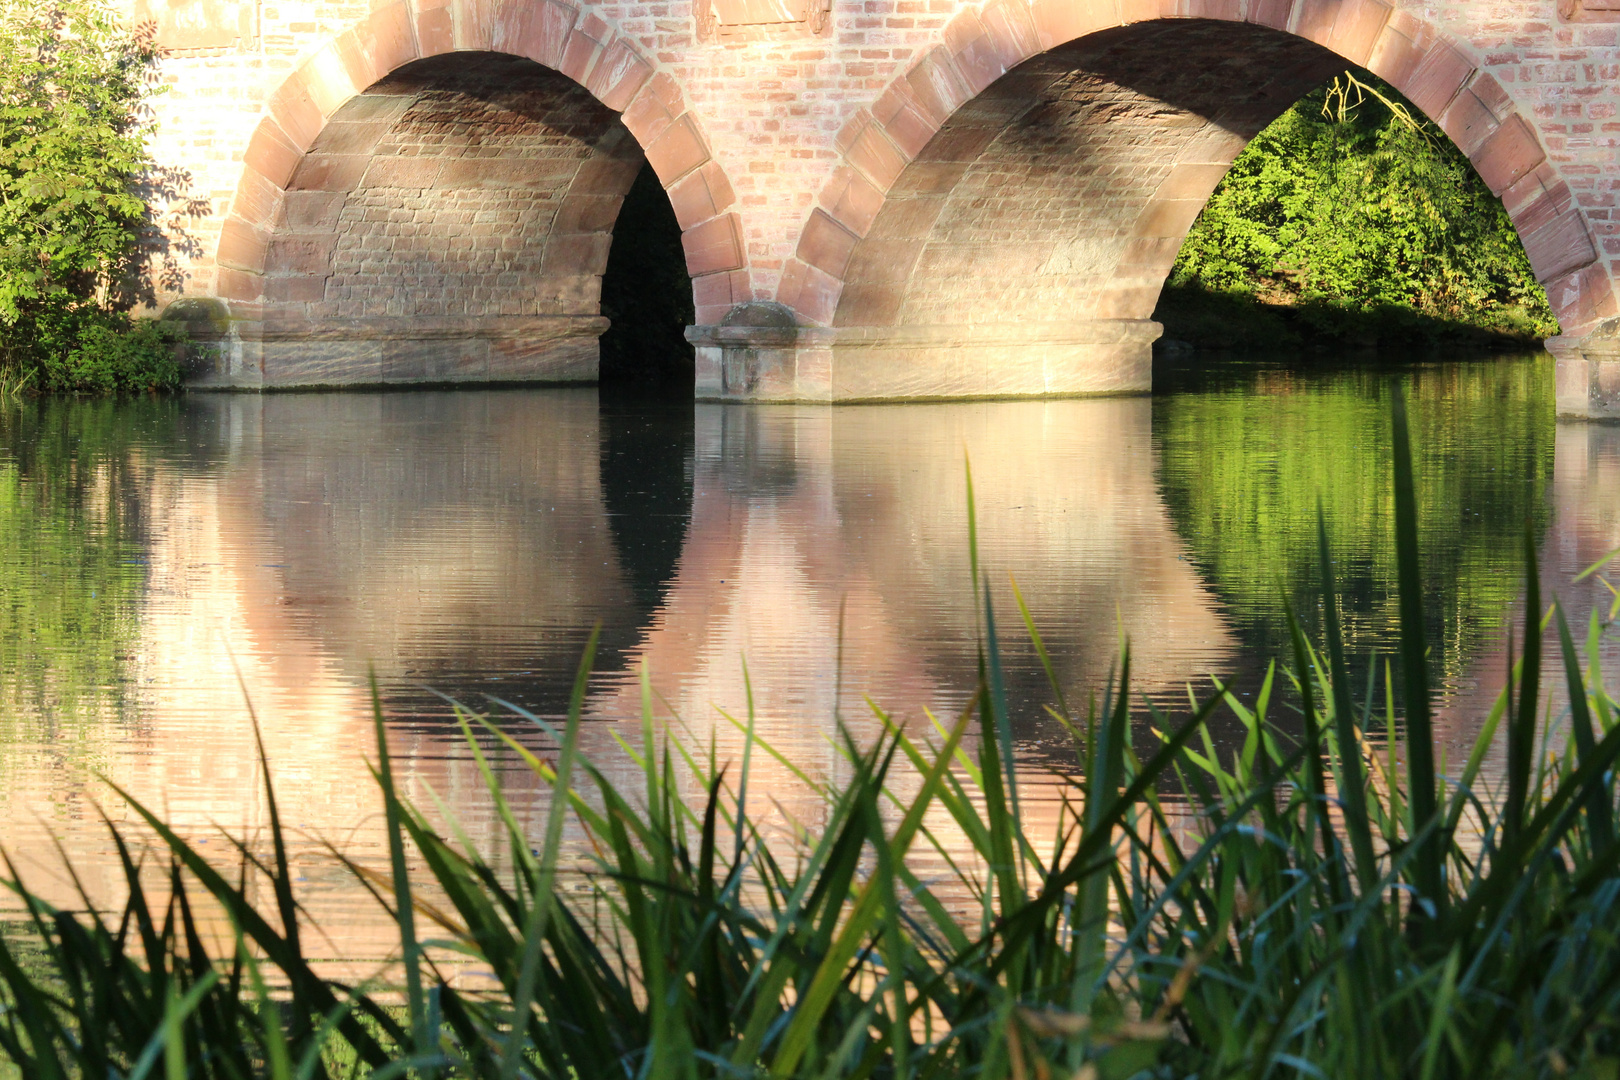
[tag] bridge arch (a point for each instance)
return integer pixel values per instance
(431, 197)
(1112, 121)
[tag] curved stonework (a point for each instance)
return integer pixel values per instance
(431, 198)
(1003, 217)
(782, 150)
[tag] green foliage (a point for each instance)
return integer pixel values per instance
(73, 201)
(1292, 907)
(97, 351)
(1355, 220)
(72, 79)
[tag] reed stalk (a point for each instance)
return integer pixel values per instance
(1292, 906)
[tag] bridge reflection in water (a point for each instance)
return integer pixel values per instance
(468, 542)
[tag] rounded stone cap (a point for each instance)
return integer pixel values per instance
(761, 313)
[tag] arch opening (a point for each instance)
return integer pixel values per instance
(451, 223)
(1019, 241)
(1034, 230)
(647, 298)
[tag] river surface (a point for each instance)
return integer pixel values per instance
(166, 564)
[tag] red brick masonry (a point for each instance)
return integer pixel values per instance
(943, 198)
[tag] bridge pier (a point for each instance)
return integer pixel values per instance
(383, 351)
(1588, 377)
(888, 363)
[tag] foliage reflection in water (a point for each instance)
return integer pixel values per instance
(468, 541)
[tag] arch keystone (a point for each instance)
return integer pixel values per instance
(473, 25)
(538, 31)
(435, 27)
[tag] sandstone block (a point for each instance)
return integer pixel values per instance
(1558, 245)
(435, 30)
(258, 199)
(714, 246)
(825, 244)
(618, 76)
(715, 294)
(652, 110)
(295, 112)
(334, 172)
(1356, 28)
(878, 159)
(678, 151)
(811, 293)
(387, 38)
(700, 195)
(1061, 21)
(272, 153)
(238, 285)
(241, 246)
(1475, 113)
(584, 212)
(1510, 152)
(852, 200)
(473, 24)
(1011, 30)
(1273, 13)
(870, 303)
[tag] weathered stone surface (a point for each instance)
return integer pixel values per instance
(984, 179)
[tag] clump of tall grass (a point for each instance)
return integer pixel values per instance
(1328, 912)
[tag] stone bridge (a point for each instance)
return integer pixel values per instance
(878, 198)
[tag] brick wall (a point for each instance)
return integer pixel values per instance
(760, 136)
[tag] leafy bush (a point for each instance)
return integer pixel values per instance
(72, 213)
(1350, 218)
(108, 352)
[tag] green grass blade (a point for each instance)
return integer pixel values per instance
(1600, 801)
(1353, 780)
(1422, 781)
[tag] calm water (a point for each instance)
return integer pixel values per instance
(164, 563)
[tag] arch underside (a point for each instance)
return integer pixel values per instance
(1024, 248)
(449, 223)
